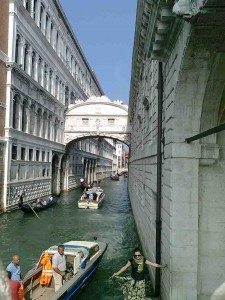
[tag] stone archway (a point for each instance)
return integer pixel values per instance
(211, 180)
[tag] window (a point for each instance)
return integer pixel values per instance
(85, 121)
(14, 152)
(37, 155)
(111, 121)
(17, 49)
(31, 154)
(43, 155)
(23, 153)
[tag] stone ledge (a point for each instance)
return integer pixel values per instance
(207, 153)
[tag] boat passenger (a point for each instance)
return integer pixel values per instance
(59, 267)
(39, 202)
(20, 203)
(90, 195)
(50, 198)
(85, 194)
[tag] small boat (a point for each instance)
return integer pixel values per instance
(98, 196)
(45, 203)
(78, 273)
(115, 177)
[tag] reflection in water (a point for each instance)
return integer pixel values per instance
(113, 223)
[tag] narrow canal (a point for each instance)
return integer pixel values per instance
(113, 223)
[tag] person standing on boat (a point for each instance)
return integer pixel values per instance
(134, 287)
(59, 267)
(14, 274)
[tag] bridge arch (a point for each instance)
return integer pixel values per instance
(97, 117)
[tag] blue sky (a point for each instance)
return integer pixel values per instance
(105, 31)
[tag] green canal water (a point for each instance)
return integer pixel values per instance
(26, 235)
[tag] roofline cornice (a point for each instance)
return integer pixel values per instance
(154, 24)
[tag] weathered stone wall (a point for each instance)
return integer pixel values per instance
(191, 193)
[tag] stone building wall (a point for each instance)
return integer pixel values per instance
(192, 174)
(3, 59)
(47, 71)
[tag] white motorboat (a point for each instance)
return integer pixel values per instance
(79, 272)
(97, 195)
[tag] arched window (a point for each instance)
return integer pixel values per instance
(51, 35)
(49, 127)
(44, 124)
(39, 119)
(41, 15)
(35, 7)
(56, 130)
(26, 4)
(17, 48)
(50, 81)
(33, 65)
(26, 57)
(16, 103)
(57, 42)
(45, 76)
(24, 116)
(57, 87)
(39, 69)
(32, 118)
(46, 26)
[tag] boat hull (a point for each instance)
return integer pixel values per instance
(26, 208)
(91, 204)
(70, 288)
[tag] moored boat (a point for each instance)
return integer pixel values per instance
(92, 202)
(38, 204)
(79, 273)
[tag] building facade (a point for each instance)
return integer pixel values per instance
(91, 159)
(46, 72)
(122, 156)
(178, 75)
(3, 59)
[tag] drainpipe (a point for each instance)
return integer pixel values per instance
(159, 181)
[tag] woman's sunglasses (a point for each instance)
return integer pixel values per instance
(137, 255)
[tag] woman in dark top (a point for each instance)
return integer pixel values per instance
(134, 287)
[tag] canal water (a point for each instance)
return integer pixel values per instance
(26, 235)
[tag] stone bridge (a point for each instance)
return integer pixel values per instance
(97, 117)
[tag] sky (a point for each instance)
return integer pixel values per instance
(105, 31)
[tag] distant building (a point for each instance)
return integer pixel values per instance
(90, 159)
(122, 155)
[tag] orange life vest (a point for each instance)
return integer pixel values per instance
(46, 274)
